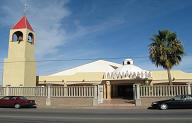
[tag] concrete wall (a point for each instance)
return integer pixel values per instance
(96, 77)
(71, 101)
(64, 101)
(40, 101)
(146, 101)
(93, 77)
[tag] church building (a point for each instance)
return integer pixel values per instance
(118, 79)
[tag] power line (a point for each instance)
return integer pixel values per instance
(84, 59)
(75, 59)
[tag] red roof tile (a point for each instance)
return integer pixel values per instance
(23, 23)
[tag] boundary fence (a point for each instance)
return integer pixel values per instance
(164, 90)
(53, 91)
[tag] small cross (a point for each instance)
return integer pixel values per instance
(25, 7)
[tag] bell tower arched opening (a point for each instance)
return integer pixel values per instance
(31, 38)
(17, 36)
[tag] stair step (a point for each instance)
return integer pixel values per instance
(114, 105)
(117, 102)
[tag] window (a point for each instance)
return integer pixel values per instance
(17, 36)
(30, 38)
(188, 97)
(128, 62)
(177, 98)
(23, 98)
(6, 98)
(13, 98)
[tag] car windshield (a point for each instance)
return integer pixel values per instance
(177, 98)
(24, 98)
(6, 98)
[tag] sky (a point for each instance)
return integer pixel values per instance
(97, 29)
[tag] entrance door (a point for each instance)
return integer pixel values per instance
(125, 91)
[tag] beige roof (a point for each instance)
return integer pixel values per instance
(97, 66)
(177, 75)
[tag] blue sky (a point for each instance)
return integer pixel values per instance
(80, 29)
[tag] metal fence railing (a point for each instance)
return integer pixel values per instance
(73, 91)
(53, 91)
(2, 91)
(164, 90)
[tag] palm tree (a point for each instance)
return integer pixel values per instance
(166, 51)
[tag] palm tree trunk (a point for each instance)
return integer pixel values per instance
(169, 76)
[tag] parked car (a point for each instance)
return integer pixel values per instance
(180, 101)
(16, 102)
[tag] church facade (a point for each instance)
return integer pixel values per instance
(117, 79)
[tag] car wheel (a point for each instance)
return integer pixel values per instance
(17, 106)
(163, 106)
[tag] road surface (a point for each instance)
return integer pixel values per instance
(8, 115)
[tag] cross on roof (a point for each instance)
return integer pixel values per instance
(25, 7)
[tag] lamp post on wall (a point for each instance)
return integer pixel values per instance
(65, 88)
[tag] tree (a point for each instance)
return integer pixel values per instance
(166, 51)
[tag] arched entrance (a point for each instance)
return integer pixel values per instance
(119, 89)
(124, 91)
(119, 83)
(118, 93)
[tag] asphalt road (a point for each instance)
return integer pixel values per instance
(94, 116)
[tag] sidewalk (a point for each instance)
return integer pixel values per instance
(107, 104)
(93, 107)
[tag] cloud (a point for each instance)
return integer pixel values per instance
(45, 17)
(83, 31)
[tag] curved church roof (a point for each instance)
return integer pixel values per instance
(97, 66)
